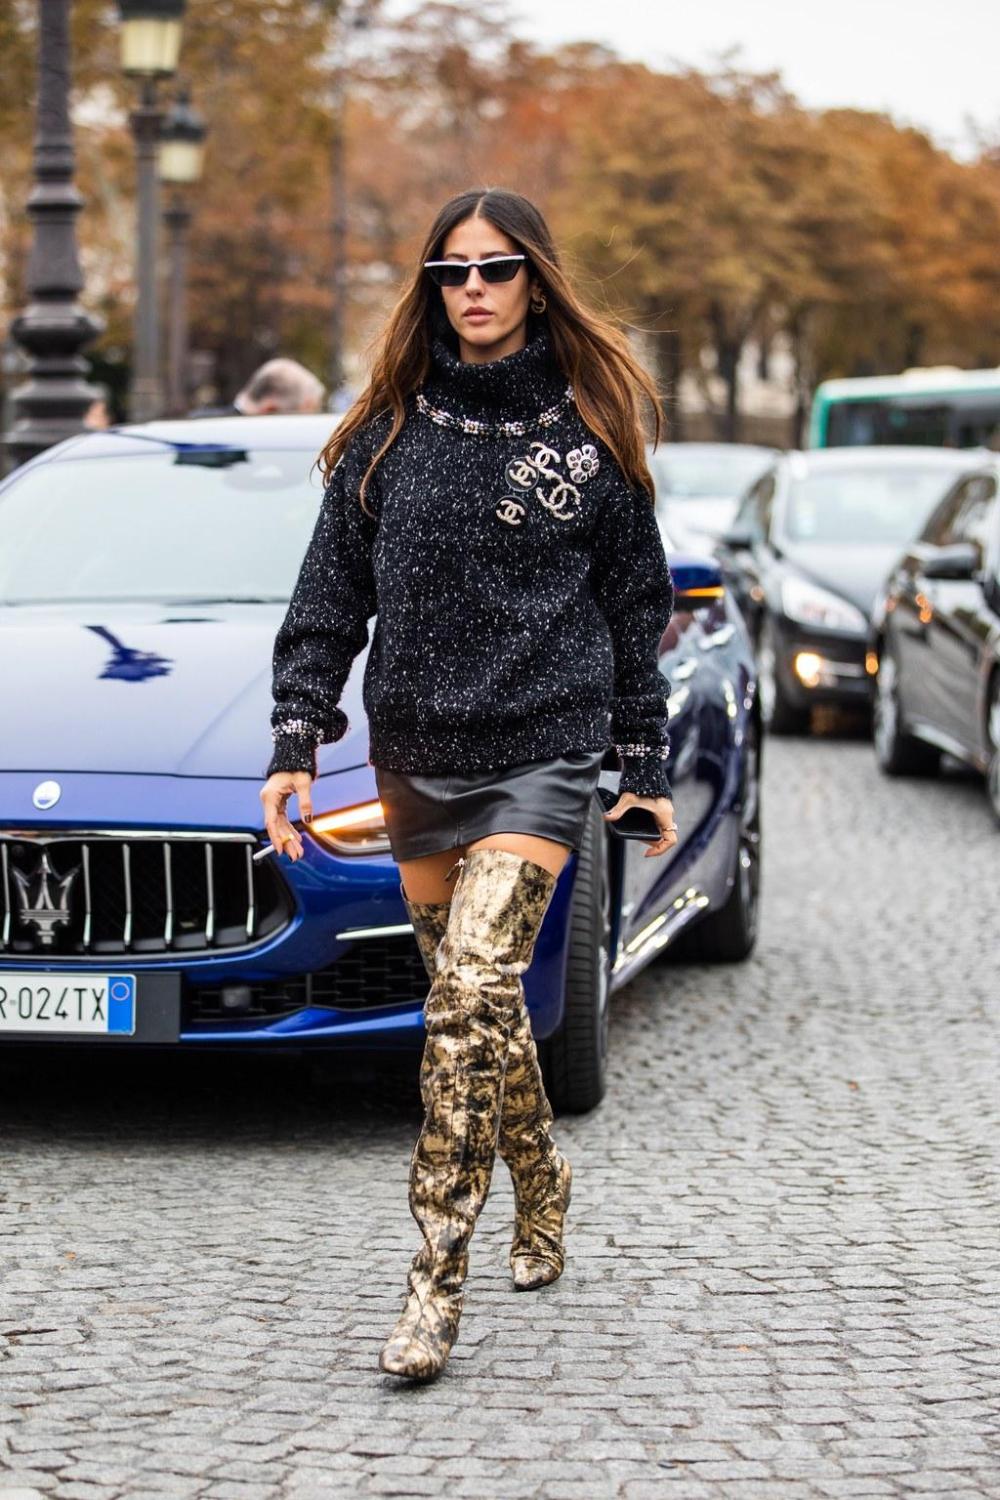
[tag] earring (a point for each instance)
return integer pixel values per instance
(540, 305)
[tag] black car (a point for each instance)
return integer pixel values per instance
(811, 542)
(935, 639)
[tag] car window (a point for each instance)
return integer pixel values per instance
(754, 513)
(187, 525)
(869, 505)
(941, 518)
(683, 472)
(972, 516)
(764, 501)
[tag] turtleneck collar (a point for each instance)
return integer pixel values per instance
(515, 387)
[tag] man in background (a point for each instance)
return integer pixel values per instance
(280, 385)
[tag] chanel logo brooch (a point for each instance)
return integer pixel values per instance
(558, 495)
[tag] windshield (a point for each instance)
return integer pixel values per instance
(863, 506)
(709, 518)
(682, 474)
(151, 527)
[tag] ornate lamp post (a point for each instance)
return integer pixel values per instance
(150, 46)
(53, 328)
(181, 158)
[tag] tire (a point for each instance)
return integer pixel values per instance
(729, 935)
(897, 753)
(575, 1057)
(778, 714)
(993, 739)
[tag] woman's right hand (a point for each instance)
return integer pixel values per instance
(275, 794)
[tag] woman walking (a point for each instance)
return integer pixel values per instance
(489, 501)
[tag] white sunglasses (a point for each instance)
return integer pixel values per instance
(456, 272)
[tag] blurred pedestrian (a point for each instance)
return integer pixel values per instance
(98, 413)
(498, 518)
(279, 386)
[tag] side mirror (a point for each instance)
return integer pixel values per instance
(738, 539)
(959, 561)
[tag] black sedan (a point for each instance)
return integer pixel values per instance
(935, 639)
(810, 544)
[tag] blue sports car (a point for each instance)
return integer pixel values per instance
(144, 572)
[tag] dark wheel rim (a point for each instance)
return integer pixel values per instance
(748, 856)
(886, 712)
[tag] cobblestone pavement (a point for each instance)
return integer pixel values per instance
(784, 1266)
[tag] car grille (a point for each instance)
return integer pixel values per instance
(371, 974)
(76, 894)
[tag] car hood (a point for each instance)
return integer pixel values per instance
(854, 572)
(170, 689)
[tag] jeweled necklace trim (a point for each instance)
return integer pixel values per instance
(486, 429)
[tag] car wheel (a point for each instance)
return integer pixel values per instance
(993, 734)
(575, 1056)
(897, 753)
(730, 934)
(778, 714)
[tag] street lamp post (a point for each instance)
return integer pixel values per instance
(181, 156)
(150, 46)
(53, 328)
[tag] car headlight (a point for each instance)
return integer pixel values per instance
(808, 604)
(352, 830)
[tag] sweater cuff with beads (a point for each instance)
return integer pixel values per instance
(295, 745)
(645, 774)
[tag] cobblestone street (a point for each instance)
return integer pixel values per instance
(784, 1244)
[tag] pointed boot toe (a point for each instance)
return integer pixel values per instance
(421, 1341)
(409, 1356)
(531, 1271)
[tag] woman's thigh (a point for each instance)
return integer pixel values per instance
(424, 880)
(545, 852)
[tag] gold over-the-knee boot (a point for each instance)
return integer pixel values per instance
(541, 1174)
(495, 913)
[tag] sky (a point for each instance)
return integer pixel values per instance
(924, 62)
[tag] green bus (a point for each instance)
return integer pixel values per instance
(941, 407)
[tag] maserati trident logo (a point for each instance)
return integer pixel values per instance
(46, 795)
(43, 899)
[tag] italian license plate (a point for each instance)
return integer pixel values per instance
(62, 1004)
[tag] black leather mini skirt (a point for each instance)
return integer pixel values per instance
(550, 798)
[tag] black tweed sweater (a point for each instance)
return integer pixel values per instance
(520, 589)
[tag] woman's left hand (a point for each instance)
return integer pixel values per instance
(663, 811)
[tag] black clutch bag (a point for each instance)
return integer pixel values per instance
(637, 823)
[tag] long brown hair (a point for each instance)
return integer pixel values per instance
(591, 351)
